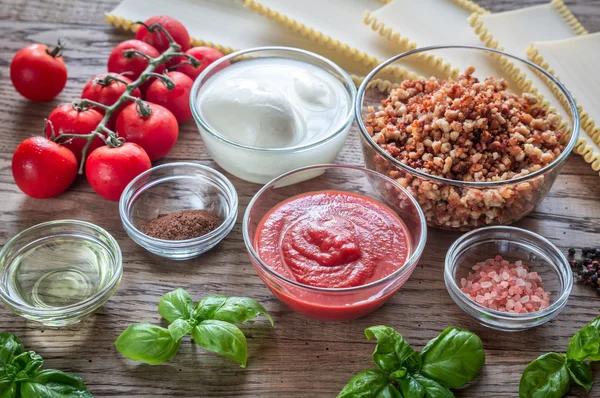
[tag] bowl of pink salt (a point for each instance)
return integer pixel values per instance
(508, 278)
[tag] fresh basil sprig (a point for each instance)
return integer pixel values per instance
(20, 375)
(551, 375)
(211, 324)
(450, 360)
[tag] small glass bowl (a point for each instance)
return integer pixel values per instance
(59, 272)
(336, 304)
(260, 165)
(513, 244)
(175, 187)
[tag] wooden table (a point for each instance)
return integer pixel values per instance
(299, 357)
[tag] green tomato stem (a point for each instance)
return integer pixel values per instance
(84, 150)
(132, 98)
(86, 103)
(195, 63)
(90, 137)
(105, 81)
(56, 51)
(132, 53)
(109, 132)
(166, 80)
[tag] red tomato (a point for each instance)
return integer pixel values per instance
(156, 133)
(99, 90)
(206, 55)
(42, 168)
(176, 100)
(67, 119)
(135, 64)
(109, 170)
(159, 40)
(38, 73)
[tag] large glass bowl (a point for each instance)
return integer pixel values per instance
(260, 165)
(335, 304)
(461, 205)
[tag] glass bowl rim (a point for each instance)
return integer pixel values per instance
(345, 76)
(231, 194)
(452, 285)
(66, 311)
(409, 263)
(471, 184)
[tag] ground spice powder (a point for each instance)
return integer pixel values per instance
(186, 224)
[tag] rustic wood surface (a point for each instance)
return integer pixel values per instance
(299, 357)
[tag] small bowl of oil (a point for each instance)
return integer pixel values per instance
(59, 272)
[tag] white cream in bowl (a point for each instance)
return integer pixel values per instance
(270, 115)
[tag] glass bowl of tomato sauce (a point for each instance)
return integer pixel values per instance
(334, 242)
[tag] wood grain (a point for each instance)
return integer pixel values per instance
(299, 357)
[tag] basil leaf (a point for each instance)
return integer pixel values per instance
(8, 387)
(54, 384)
(410, 388)
(594, 358)
(10, 346)
(432, 388)
(391, 350)
(206, 308)
(453, 358)
(232, 310)
(399, 374)
(24, 365)
(147, 343)
(223, 338)
(176, 305)
(596, 323)
(372, 383)
(581, 372)
(584, 343)
(179, 328)
(546, 377)
(414, 362)
(418, 386)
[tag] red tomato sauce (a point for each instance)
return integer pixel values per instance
(332, 239)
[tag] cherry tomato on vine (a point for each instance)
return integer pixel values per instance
(42, 168)
(70, 119)
(154, 128)
(134, 63)
(109, 170)
(106, 89)
(159, 40)
(206, 56)
(38, 72)
(176, 100)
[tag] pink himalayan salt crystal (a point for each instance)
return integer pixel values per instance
(503, 286)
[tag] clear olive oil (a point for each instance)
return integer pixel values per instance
(59, 272)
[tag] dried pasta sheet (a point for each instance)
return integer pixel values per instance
(226, 25)
(339, 24)
(575, 63)
(438, 22)
(513, 32)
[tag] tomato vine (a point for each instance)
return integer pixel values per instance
(109, 136)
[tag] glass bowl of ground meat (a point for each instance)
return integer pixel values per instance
(476, 135)
(179, 210)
